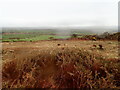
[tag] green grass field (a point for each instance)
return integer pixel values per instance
(33, 35)
(29, 37)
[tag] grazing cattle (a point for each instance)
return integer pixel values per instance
(94, 46)
(100, 46)
(58, 44)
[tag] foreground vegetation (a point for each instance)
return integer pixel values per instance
(61, 64)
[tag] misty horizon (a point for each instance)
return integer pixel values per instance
(94, 29)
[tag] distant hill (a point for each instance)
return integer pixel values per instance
(64, 30)
(114, 36)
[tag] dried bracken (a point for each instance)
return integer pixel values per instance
(59, 67)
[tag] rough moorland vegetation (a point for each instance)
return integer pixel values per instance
(61, 68)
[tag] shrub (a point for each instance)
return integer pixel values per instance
(61, 68)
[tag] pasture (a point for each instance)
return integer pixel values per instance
(36, 35)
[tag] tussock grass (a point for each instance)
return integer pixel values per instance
(61, 68)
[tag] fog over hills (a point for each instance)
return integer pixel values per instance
(93, 29)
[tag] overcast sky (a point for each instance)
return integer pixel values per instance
(36, 13)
